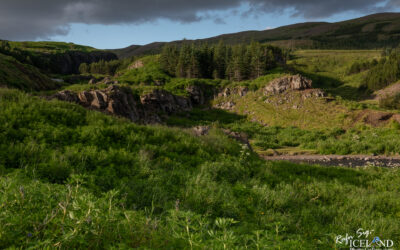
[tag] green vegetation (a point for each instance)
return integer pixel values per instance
(236, 63)
(390, 102)
(359, 139)
(387, 71)
(14, 74)
(370, 32)
(150, 74)
(72, 178)
(49, 47)
(105, 67)
(329, 70)
(54, 57)
(75, 178)
(358, 67)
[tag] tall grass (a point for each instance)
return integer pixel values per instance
(72, 178)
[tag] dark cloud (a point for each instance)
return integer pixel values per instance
(312, 9)
(28, 19)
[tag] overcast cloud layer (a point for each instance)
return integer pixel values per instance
(28, 19)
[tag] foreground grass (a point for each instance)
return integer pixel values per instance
(72, 178)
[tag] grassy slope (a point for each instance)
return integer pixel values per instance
(297, 125)
(50, 47)
(307, 126)
(328, 69)
(157, 187)
(14, 74)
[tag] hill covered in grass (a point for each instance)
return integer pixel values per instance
(54, 57)
(74, 178)
(14, 74)
(369, 32)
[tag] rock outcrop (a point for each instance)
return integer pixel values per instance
(226, 92)
(280, 85)
(196, 94)
(113, 100)
(310, 93)
(161, 100)
(121, 102)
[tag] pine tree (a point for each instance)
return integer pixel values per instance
(220, 57)
(83, 68)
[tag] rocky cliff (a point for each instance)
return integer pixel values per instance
(120, 101)
(280, 85)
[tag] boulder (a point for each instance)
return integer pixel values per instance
(280, 85)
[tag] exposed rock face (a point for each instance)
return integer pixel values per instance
(161, 100)
(226, 105)
(196, 95)
(310, 93)
(241, 91)
(67, 96)
(280, 85)
(120, 101)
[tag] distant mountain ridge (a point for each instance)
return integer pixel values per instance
(369, 32)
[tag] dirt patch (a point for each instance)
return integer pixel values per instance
(340, 160)
(373, 118)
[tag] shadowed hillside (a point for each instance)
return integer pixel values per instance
(369, 32)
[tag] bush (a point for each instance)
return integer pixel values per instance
(390, 101)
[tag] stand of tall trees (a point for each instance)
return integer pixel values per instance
(237, 63)
(387, 71)
(103, 67)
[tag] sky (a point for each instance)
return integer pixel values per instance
(107, 24)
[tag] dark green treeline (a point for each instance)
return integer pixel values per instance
(237, 63)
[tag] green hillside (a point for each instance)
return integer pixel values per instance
(14, 74)
(188, 166)
(50, 47)
(72, 178)
(369, 32)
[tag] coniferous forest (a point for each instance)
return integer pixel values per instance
(221, 61)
